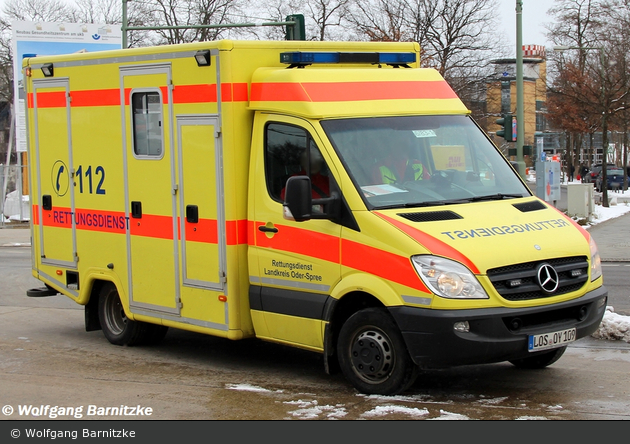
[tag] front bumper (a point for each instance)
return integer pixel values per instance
(496, 334)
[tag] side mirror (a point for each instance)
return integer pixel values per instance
(298, 201)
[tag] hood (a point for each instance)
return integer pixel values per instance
(486, 235)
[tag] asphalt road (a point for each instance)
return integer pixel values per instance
(47, 358)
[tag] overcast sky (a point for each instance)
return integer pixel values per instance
(534, 18)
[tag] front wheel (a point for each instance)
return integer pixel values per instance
(372, 353)
(118, 328)
(540, 360)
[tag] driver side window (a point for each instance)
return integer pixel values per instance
(291, 151)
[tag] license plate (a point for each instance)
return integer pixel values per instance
(551, 340)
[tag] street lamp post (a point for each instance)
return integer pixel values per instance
(520, 94)
(602, 73)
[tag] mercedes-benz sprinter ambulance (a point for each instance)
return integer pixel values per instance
(331, 196)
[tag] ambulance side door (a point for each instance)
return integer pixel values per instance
(55, 172)
(202, 220)
(297, 263)
(150, 189)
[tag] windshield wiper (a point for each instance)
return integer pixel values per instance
(436, 203)
(498, 196)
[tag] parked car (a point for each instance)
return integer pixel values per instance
(590, 176)
(614, 179)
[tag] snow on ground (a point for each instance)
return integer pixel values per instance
(614, 326)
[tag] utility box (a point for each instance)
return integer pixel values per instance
(580, 200)
(548, 181)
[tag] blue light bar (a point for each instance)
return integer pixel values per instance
(308, 58)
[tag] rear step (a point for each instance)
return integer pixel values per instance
(41, 292)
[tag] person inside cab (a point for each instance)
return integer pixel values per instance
(399, 166)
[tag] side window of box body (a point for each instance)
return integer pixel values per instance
(147, 124)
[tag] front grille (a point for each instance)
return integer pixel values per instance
(519, 282)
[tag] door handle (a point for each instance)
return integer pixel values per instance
(266, 229)
(192, 214)
(136, 209)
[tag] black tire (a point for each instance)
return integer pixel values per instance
(120, 330)
(372, 354)
(540, 360)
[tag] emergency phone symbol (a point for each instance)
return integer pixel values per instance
(60, 178)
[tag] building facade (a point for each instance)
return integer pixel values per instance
(501, 100)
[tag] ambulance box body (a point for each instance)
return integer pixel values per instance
(330, 196)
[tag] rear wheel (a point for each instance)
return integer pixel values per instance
(118, 328)
(372, 353)
(540, 360)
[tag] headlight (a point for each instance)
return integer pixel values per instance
(596, 261)
(447, 278)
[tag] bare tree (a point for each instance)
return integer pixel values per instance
(271, 11)
(24, 10)
(379, 20)
(593, 76)
(98, 11)
(618, 12)
(38, 10)
(324, 19)
(6, 62)
(455, 37)
(175, 13)
(575, 23)
(327, 16)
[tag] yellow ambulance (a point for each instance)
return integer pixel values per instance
(331, 196)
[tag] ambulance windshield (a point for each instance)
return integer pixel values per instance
(410, 161)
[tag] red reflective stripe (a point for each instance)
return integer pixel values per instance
(230, 92)
(340, 92)
(582, 230)
(55, 99)
(251, 233)
(159, 227)
(279, 92)
(236, 232)
(389, 266)
(239, 92)
(348, 91)
(95, 97)
(434, 245)
(203, 231)
(194, 93)
(300, 241)
(90, 220)
(355, 255)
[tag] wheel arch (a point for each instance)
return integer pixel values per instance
(354, 293)
(95, 285)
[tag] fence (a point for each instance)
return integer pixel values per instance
(14, 202)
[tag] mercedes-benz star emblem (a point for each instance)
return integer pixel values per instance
(548, 278)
